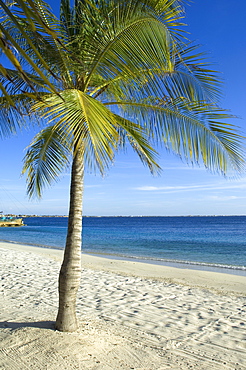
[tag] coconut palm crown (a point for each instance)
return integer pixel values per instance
(122, 74)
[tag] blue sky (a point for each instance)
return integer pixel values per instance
(128, 188)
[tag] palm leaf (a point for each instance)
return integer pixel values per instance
(189, 129)
(138, 138)
(86, 120)
(7, 46)
(47, 156)
(136, 41)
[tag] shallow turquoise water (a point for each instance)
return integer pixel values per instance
(201, 241)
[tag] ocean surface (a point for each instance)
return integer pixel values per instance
(209, 243)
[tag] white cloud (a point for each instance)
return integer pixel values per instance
(149, 188)
(223, 198)
(169, 188)
(185, 168)
(92, 186)
(221, 186)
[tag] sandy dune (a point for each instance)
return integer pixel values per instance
(143, 317)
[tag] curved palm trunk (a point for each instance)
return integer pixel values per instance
(70, 273)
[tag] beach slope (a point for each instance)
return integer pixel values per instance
(132, 315)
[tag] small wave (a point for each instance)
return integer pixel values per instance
(30, 244)
(195, 263)
(172, 261)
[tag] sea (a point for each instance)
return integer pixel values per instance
(216, 243)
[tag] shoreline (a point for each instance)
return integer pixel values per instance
(182, 264)
(132, 315)
(200, 266)
(213, 280)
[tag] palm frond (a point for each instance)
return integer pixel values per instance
(8, 43)
(140, 41)
(138, 138)
(47, 156)
(16, 115)
(195, 131)
(15, 84)
(194, 80)
(86, 120)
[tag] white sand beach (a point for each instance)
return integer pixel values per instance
(132, 315)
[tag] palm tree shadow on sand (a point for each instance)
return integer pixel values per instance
(37, 324)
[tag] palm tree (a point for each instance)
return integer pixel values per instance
(125, 76)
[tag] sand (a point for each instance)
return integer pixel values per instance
(132, 315)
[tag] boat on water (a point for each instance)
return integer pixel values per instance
(10, 221)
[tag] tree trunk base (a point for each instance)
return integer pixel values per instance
(66, 322)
